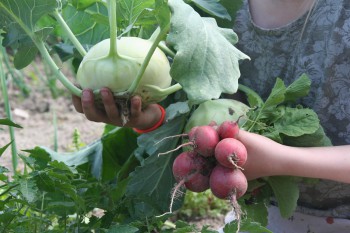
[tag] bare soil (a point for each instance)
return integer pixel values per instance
(35, 114)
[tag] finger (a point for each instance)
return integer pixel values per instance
(77, 103)
(110, 106)
(135, 106)
(89, 108)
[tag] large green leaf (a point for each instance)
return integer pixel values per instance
(151, 184)
(206, 62)
(89, 26)
(18, 18)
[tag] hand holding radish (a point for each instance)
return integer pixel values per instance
(139, 118)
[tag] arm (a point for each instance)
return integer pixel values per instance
(140, 118)
(268, 158)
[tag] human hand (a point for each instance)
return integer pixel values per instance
(265, 157)
(269, 158)
(139, 118)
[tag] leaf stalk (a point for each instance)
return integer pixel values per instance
(69, 33)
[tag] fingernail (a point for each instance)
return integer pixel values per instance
(104, 93)
(86, 95)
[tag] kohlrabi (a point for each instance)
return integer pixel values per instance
(117, 70)
(128, 66)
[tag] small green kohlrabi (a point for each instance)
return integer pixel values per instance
(101, 68)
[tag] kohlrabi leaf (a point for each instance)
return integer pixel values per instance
(212, 7)
(151, 184)
(162, 13)
(205, 67)
(106, 156)
(130, 10)
(87, 25)
(18, 18)
(83, 4)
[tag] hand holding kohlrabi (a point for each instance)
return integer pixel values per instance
(128, 66)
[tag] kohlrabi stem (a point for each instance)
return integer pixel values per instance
(112, 13)
(148, 57)
(166, 49)
(55, 69)
(69, 33)
(8, 111)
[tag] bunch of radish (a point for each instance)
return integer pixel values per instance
(214, 162)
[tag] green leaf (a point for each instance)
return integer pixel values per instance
(123, 228)
(9, 123)
(130, 10)
(276, 96)
(86, 25)
(253, 98)
(213, 7)
(162, 13)
(2, 149)
(232, 8)
(296, 122)
(117, 148)
(299, 88)
(286, 191)
(28, 189)
(24, 56)
(151, 184)
(247, 225)
(319, 138)
(18, 18)
(82, 4)
(211, 62)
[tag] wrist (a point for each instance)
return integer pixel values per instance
(155, 124)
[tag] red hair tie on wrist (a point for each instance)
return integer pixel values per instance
(156, 125)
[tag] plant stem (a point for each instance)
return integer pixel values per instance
(112, 13)
(8, 112)
(166, 50)
(148, 57)
(55, 69)
(69, 33)
(55, 140)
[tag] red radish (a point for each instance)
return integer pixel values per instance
(193, 169)
(203, 139)
(228, 129)
(231, 153)
(227, 183)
